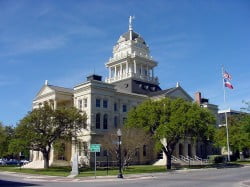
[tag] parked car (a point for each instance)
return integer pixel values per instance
(13, 162)
(23, 162)
(2, 162)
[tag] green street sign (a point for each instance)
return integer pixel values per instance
(95, 147)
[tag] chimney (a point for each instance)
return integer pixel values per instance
(197, 97)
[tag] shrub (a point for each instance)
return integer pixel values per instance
(215, 159)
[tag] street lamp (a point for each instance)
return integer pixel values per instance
(75, 170)
(119, 134)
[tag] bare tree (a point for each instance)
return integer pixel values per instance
(133, 140)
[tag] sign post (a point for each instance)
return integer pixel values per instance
(95, 148)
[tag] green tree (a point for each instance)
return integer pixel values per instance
(6, 135)
(170, 120)
(3, 137)
(239, 133)
(40, 128)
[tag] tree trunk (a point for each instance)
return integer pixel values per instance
(46, 160)
(168, 155)
(169, 163)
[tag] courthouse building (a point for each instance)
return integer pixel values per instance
(130, 81)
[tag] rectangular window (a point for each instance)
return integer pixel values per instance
(85, 103)
(124, 108)
(80, 104)
(98, 103)
(105, 103)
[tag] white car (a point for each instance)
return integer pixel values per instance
(23, 162)
(2, 162)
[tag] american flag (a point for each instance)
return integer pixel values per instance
(226, 75)
(228, 84)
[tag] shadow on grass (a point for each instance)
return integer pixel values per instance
(6, 183)
(227, 165)
(217, 166)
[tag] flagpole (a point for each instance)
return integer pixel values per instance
(228, 147)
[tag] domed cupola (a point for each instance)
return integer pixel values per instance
(135, 37)
(131, 59)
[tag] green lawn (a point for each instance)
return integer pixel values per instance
(130, 170)
(242, 162)
(53, 171)
(84, 172)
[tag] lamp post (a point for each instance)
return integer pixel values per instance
(119, 134)
(75, 170)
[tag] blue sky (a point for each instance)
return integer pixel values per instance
(64, 41)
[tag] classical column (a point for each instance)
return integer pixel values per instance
(55, 104)
(141, 70)
(126, 68)
(121, 70)
(115, 72)
(134, 67)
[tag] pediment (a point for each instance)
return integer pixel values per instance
(45, 90)
(180, 93)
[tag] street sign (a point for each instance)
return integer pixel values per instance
(95, 147)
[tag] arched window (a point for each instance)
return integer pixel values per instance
(98, 121)
(105, 121)
(116, 122)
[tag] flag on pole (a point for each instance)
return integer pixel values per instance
(226, 75)
(228, 84)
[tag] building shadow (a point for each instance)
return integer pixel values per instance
(6, 183)
(227, 165)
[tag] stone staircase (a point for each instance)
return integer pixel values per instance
(38, 164)
(183, 160)
(193, 160)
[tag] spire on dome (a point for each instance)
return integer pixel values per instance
(130, 26)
